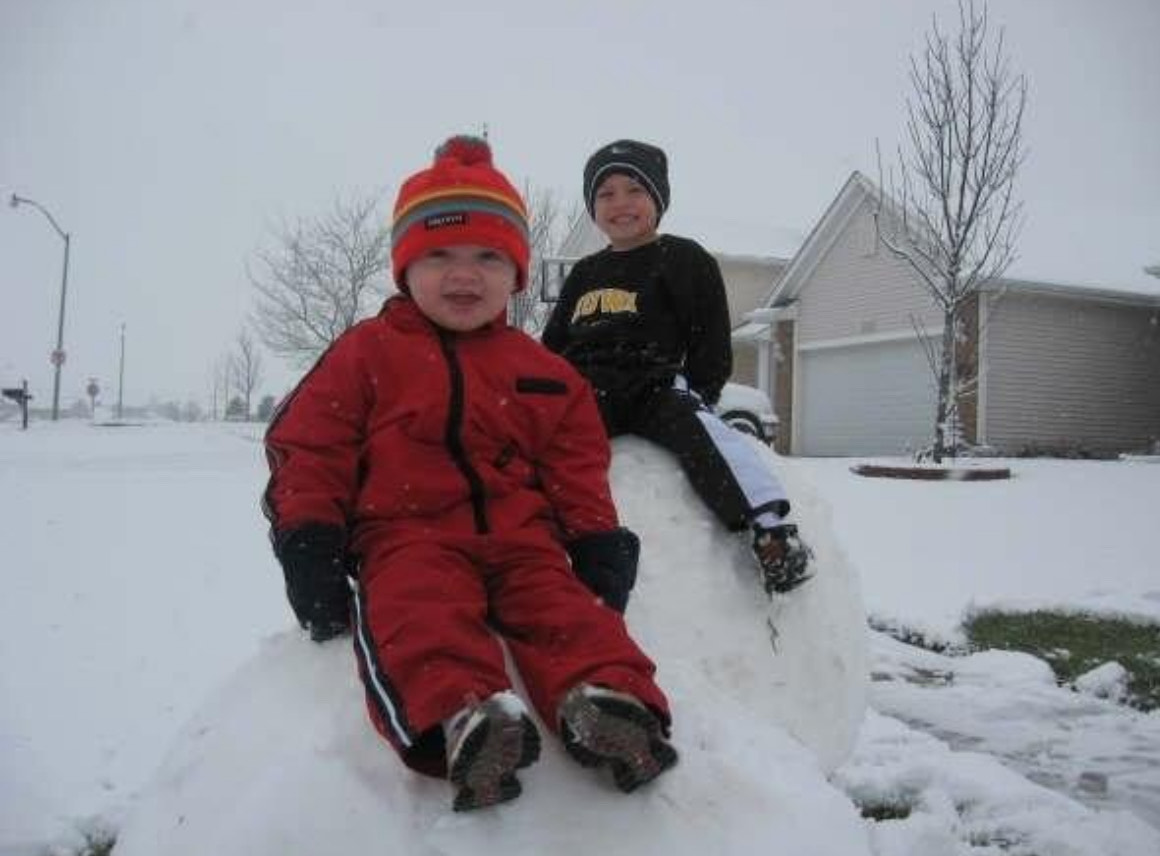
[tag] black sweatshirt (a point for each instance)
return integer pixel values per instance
(631, 320)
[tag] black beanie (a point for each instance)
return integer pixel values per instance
(647, 164)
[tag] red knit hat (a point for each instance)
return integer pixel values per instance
(461, 199)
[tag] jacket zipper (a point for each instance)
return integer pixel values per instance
(453, 437)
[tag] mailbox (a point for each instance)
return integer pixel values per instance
(21, 396)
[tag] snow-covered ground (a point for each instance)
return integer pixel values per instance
(144, 625)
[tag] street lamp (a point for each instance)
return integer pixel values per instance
(57, 357)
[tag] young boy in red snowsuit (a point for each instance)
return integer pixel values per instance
(431, 476)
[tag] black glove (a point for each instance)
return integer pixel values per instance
(606, 563)
(313, 558)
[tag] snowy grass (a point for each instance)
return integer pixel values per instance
(1074, 643)
(90, 838)
(880, 812)
(937, 641)
(98, 845)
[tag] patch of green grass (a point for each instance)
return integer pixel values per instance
(879, 811)
(100, 847)
(97, 842)
(1075, 643)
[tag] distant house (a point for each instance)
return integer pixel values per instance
(832, 335)
(1061, 368)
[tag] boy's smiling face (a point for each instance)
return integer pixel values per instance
(625, 212)
(462, 287)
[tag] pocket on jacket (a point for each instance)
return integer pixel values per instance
(541, 386)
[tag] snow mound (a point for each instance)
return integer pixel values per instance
(1109, 681)
(282, 759)
(814, 684)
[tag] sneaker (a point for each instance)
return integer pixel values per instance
(602, 727)
(783, 557)
(486, 744)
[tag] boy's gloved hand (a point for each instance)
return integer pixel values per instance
(606, 563)
(313, 558)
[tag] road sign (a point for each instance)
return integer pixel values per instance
(57, 357)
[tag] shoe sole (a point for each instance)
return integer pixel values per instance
(484, 770)
(785, 587)
(793, 572)
(619, 734)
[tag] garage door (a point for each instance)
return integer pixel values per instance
(869, 399)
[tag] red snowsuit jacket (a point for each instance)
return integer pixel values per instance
(404, 430)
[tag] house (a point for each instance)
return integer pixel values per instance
(1060, 368)
(835, 336)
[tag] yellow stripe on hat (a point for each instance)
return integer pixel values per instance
(462, 190)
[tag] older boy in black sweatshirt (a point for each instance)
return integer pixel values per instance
(647, 322)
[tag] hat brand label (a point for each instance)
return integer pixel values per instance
(438, 221)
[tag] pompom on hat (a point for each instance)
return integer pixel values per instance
(644, 162)
(460, 199)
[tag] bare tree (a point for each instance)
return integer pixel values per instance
(245, 363)
(546, 225)
(318, 277)
(219, 387)
(191, 412)
(958, 220)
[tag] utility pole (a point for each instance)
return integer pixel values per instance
(121, 377)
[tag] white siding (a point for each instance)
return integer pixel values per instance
(748, 281)
(1064, 373)
(859, 289)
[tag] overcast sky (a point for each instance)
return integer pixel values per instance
(168, 136)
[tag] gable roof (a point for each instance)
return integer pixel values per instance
(582, 239)
(856, 190)
(822, 236)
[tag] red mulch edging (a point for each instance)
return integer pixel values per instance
(932, 473)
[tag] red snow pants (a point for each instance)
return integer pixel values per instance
(428, 617)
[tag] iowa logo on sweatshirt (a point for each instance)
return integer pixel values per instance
(605, 301)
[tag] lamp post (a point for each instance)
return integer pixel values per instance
(57, 357)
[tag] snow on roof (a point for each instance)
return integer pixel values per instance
(583, 239)
(1091, 274)
(1140, 295)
